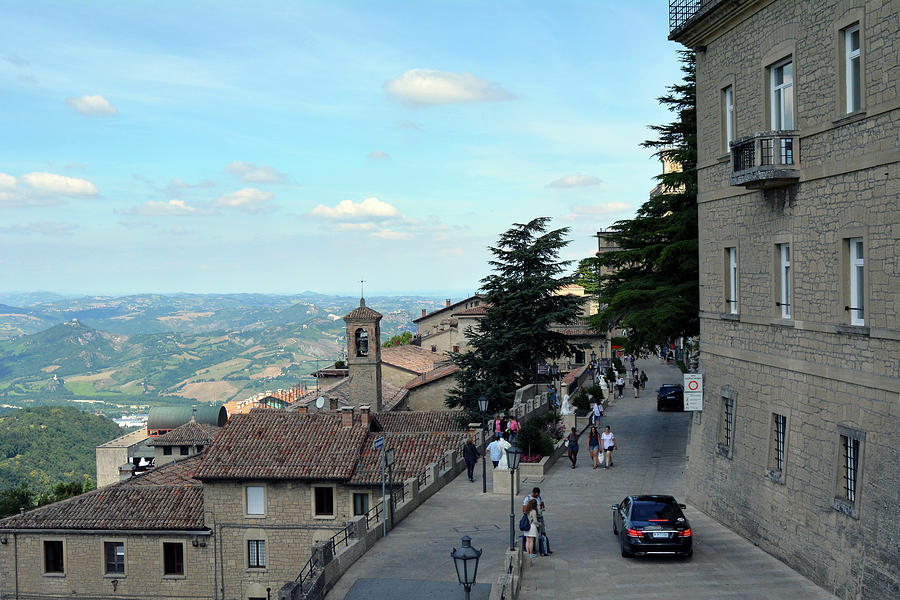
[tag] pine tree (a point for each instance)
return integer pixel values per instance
(514, 335)
(652, 288)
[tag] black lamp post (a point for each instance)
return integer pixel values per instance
(483, 406)
(465, 559)
(593, 356)
(513, 454)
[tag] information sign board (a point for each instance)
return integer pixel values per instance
(693, 391)
(378, 443)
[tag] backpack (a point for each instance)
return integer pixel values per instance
(524, 523)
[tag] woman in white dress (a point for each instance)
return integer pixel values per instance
(532, 533)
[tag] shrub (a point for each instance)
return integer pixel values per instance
(580, 400)
(534, 439)
(555, 429)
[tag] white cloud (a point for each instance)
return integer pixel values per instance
(347, 210)
(52, 184)
(426, 87)
(95, 106)
(48, 228)
(576, 180)
(177, 183)
(251, 200)
(7, 182)
(378, 155)
(582, 211)
(367, 226)
(255, 174)
(159, 208)
(388, 234)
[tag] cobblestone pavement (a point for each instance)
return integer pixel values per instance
(586, 562)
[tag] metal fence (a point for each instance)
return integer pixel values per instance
(680, 11)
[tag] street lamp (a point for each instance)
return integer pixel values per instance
(513, 454)
(593, 356)
(483, 406)
(466, 562)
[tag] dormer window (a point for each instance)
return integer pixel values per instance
(362, 342)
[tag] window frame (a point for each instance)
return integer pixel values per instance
(106, 563)
(174, 574)
(62, 557)
(849, 464)
(852, 103)
(246, 495)
(167, 450)
(725, 435)
(778, 434)
(785, 289)
(314, 497)
(256, 545)
(778, 93)
(728, 116)
(857, 280)
(368, 503)
(731, 279)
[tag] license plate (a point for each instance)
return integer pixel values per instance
(660, 534)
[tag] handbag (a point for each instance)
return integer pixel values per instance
(524, 523)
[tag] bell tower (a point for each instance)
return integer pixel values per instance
(364, 355)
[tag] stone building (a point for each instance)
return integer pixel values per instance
(444, 330)
(798, 445)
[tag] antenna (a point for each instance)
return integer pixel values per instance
(362, 283)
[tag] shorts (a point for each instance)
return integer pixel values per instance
(593, 447)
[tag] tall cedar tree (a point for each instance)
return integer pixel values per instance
(514, 336)
(652, 289)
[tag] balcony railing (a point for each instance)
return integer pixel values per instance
(680, 11)
(765, 160)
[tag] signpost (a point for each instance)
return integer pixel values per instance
(693, 391)
(389, 461)
(378, 444)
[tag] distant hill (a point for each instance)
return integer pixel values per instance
(50, 444)
(15, 321)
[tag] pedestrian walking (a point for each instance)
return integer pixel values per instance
(497, 425)
(471, 454)
(644, 379)
(597, 409)
(620, 385)
(636, 384)
(495, 451)
(573, 447)
(513, 429)
(594, 446)
(608, 439)
(532, 533)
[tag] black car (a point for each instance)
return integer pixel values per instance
(670, 396)
(652, 525)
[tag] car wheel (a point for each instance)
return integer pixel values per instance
(625, 553)
(615, 529)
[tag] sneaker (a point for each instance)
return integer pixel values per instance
(534, 556)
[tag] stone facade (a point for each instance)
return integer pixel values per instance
(797, 406)
(364, 357)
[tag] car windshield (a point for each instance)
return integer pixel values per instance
(668, 388)
(649, 510)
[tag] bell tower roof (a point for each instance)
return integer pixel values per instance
(363, 313)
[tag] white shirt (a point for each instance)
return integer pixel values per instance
(620, 381)
(609, 439)
(598, 409)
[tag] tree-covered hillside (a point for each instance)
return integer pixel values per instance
(47, 445)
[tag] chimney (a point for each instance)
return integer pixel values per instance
(333, 403)
(347, 416)
(364, 415)
(302, 410)
(448, 302)
(423, 312)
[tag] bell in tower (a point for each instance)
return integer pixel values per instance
(364, 355)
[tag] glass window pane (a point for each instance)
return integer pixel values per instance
(788, 73)
(787, 120)
(255, 500)
(860, 293)
(854, 40)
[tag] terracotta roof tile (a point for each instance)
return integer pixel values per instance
(412, 451)
(276, 444)
(412, 358)
(472, 312)
(191, 433)
(413, 421)
(177, 472)
(362, 313)
(433, 375)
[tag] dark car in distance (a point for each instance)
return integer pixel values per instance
(652, 525)
(670, 397)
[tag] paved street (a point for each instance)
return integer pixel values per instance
(586, 561)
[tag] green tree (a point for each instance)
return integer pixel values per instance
(398, 340)
(652, 287)
(13, 499)
(514, 335)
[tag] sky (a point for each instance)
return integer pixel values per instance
(277, 147)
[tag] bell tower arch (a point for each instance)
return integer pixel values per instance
(363, 329)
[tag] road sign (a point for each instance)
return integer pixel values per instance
(543, 369)
(389, 457)
(378, 443)
(693, 391)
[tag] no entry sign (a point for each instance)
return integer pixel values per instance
(693, 391)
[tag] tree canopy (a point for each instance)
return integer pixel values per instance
(515, 335)
(650, 285)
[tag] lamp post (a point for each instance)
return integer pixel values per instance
(513, 454)
(465, 559)
(483, 406)
(593, 355)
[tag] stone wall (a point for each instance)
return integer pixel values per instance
(823, 375)
(431, 396)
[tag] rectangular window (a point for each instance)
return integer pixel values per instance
(857, 282)
(173, 558)
(324, 500)
(53, 557)
(167, 450)
(731, 283)
(114, 557)
(256, 553)
(184, 450)
(782, 94)
(853, 81)
(256, 500)
(360, 504)
(850, 455)
(779, 422)
(726, 426)
(784, 279)
(728, 117)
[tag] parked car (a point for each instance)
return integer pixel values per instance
(670, 396)
(652, 525)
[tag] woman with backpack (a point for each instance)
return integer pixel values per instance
(532, 533)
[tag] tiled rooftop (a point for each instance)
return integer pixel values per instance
(412, 421)
(411, 358)
(178, 472)
(362, 312)
(472, 312)
(276, 444)
(191, 433)
(412, 451)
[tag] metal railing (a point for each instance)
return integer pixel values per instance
(341, 537)
(680, 11)
(373, 515)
